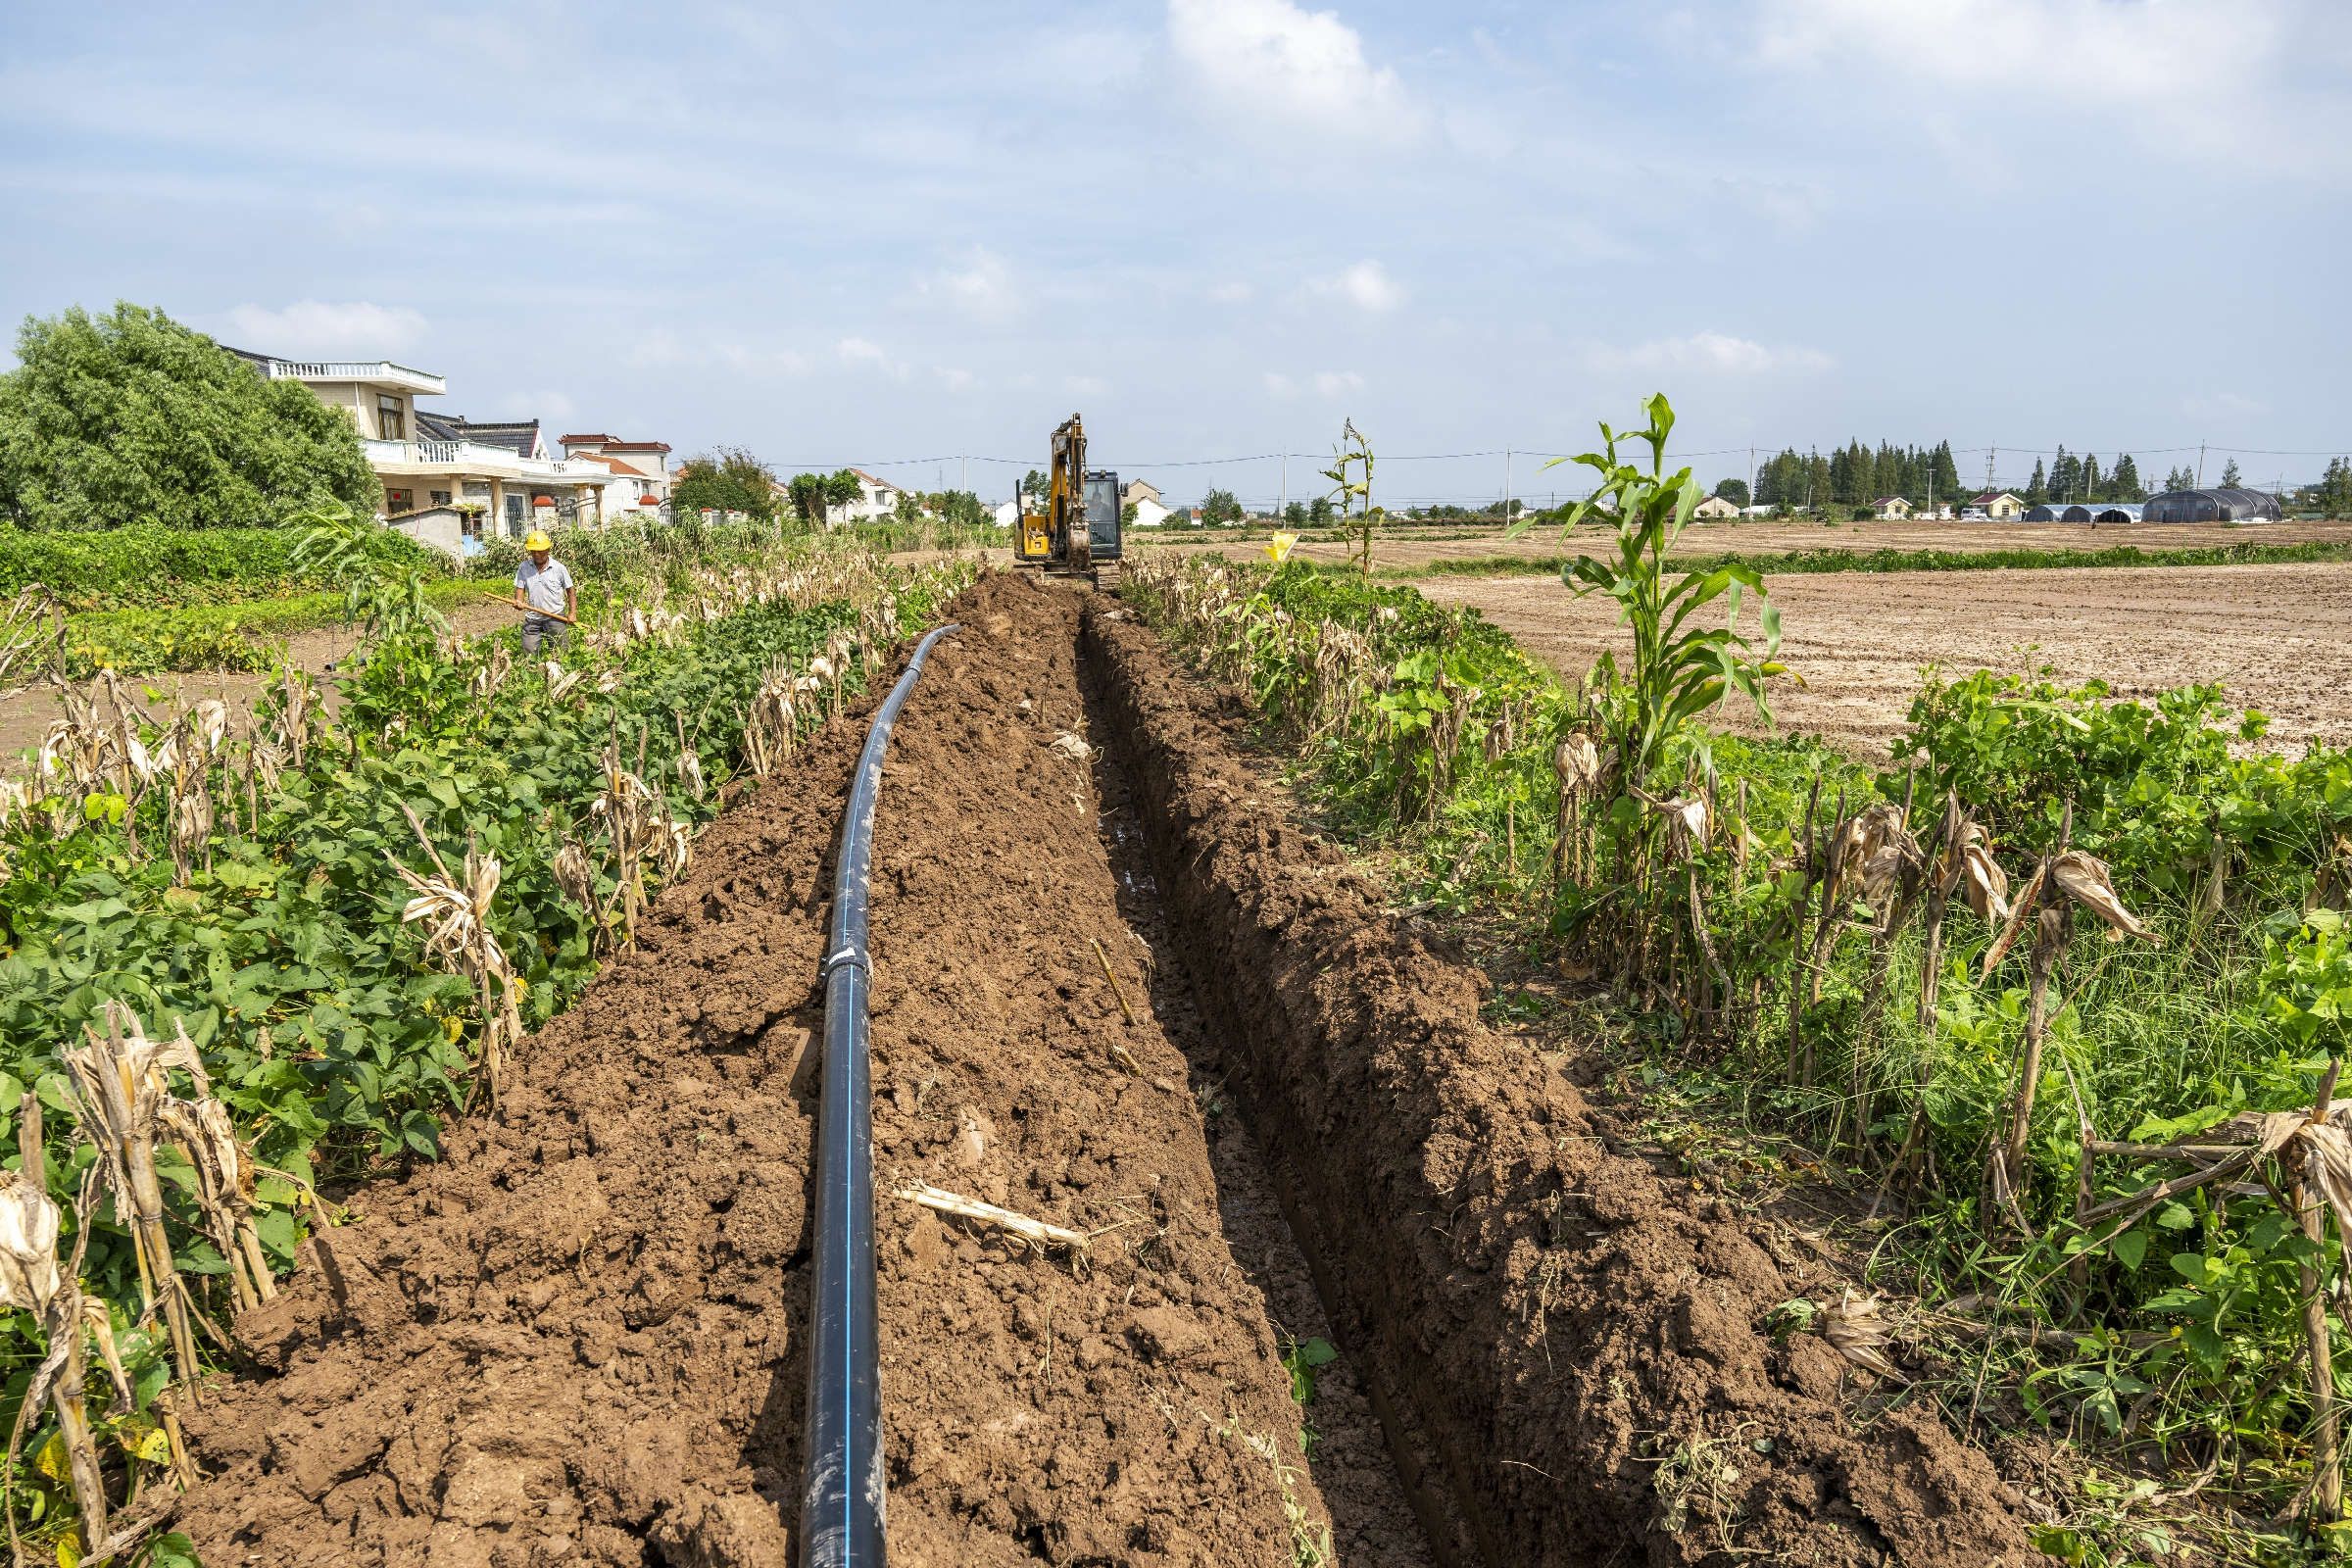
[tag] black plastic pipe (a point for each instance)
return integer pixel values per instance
(841, 1492)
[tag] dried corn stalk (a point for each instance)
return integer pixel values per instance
(456, 914)
(2059, 883)
(31, 1280)
(120, 1088)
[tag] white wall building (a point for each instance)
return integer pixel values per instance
(498, 477)
(877, 499)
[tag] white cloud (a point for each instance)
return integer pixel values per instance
(954, 380)
(1366, 285)
(321, 328)
(861, 354)
(1331, 383)
(1703, 353)
(1280, 385)
(2125, 52)
(1086, 386)
(1232, 293)
(1270, 60)
(982, 286)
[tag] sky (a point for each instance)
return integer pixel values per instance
(881, 234)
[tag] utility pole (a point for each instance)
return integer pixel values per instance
(1751, 478)
(1506, 487)
(960, 484)
(2200, 464)
(1284, 505)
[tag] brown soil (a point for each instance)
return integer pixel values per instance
(1576, 1333)
(2274, 636)
(579, 1340)
(1414, 547)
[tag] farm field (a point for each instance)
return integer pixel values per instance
(1408, 549)
(2274, 636)
(630, 1369)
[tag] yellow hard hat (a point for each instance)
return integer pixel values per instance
(538, 540)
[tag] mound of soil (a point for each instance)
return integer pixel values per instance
(1577, 1336)
(579, 1340)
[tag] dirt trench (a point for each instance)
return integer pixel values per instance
(579, 1340)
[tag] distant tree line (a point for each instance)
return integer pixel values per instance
(1856, 475)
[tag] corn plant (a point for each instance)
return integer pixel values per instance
(1351, 477)
(1680, 669)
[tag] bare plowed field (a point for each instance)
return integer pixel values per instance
(581, 1339)
(2277, 637)
(1408, 548)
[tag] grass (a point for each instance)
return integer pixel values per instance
(1425, 737)
(1808, 562)
(247, 636)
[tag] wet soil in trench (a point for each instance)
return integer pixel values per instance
(580, 1338)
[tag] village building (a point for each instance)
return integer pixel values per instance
(447, 480)
(1890, 508)
(1999, 506)
(640, 471)
(1715, 507)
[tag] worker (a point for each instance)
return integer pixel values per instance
(546, 594)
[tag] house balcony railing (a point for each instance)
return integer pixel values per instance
(478, 457)
(378, 372)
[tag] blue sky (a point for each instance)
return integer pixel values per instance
(851, 235)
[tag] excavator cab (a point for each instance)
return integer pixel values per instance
(1079, 528)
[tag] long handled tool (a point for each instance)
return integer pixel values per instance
(532, 609)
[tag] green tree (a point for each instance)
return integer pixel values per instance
(2038, 489)
(2123, 483)
(2066, 477)
(131, 418)
(1944, 475)
(1219, 509)
(841, 488)
(959, 508)
(1036, 490)
(1318, 512)
(2332, 495)
(1294, 516)
(1732, 490)
(2229, 475)
(2093, 484)
(729, 479)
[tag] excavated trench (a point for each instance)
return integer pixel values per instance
(1118, 990)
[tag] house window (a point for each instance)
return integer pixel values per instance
(470, 524)
(440, 498)
(397, 502)
(391, 419)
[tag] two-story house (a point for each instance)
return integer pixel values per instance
(482, 476)
(639, 470)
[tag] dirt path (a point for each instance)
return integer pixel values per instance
(1412, 547)
(2274, 636)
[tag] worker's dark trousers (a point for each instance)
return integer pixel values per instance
(538, 634)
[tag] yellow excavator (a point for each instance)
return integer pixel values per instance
(1077, 534)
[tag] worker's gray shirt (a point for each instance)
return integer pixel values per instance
(542, 586)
